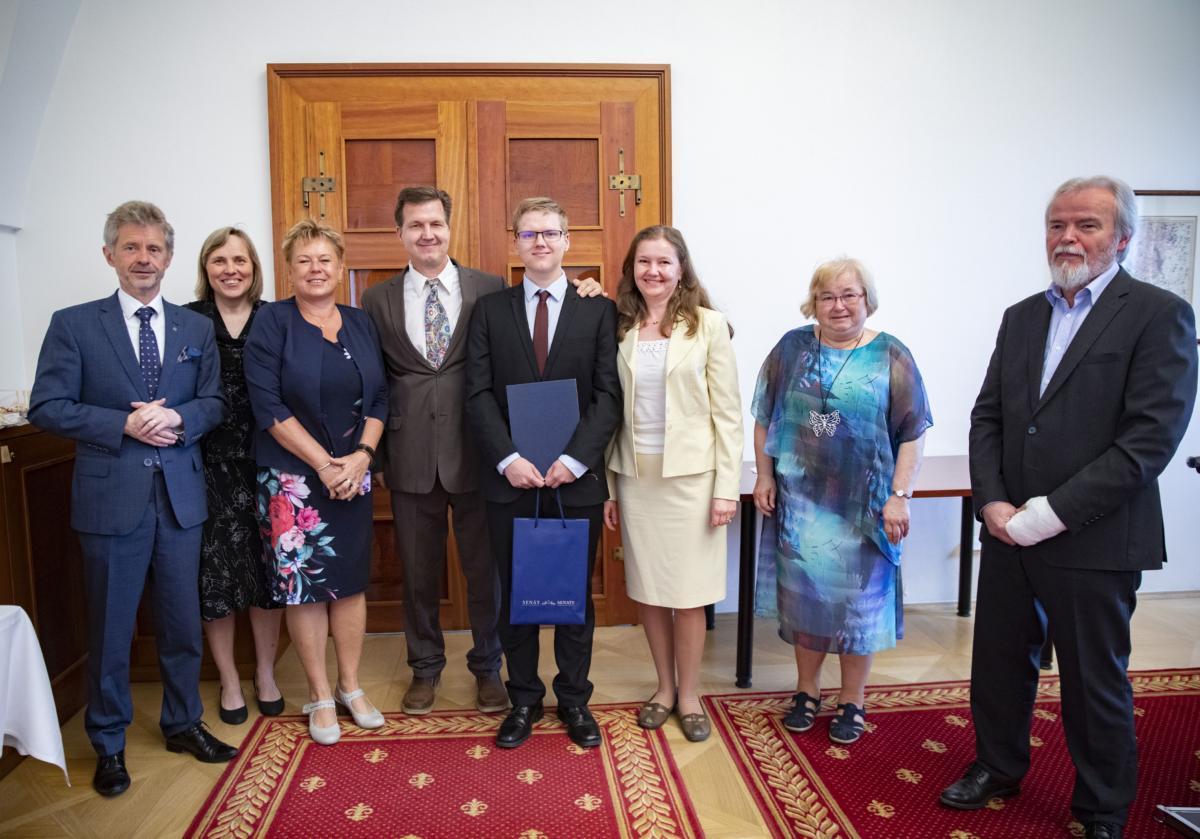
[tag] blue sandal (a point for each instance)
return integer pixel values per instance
(846, 727)
(803, 713)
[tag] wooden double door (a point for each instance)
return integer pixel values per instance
(346, 138)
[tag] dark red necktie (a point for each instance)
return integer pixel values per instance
(541, 331)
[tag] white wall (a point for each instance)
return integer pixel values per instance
(923, 137)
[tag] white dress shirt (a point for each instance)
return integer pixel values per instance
(416, 291)
(558, 291)
(129, 308)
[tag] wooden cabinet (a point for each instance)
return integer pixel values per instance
(41, 567)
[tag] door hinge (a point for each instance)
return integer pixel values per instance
(320, 185)
(622, 182)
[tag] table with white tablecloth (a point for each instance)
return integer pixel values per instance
(28, 718)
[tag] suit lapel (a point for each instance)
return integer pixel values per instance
(113, 321)
(398, 315)
(516, 299)
(628, 346)
(569, 305)
(172, 345)
(468, 285)
(1035, 352)
(1098, 319)
(680, 345)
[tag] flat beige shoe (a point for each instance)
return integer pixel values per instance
(652, 715)
(696, 727)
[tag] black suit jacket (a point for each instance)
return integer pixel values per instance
(427, 435)
(1108, 424)
(500, 353)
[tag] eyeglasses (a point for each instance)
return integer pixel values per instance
(847, 299)
(530, 236)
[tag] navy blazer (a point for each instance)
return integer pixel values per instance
(283, 374)
(88, 373)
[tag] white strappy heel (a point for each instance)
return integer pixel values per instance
(324, 735)
(370, 719)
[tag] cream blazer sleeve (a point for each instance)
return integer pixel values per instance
(725, 405)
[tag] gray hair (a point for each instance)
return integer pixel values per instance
(142, 214)
(829, 271)
(1123, 197)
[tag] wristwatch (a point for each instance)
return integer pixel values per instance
(901, 493)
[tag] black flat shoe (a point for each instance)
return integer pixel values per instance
(581, 725)
(847, 726)
(111, 778)
(268, 707)
(976, 788)
(199, 742)
(231, 716)
(518, 725)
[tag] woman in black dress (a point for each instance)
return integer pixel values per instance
(233, 571)
(320, 397)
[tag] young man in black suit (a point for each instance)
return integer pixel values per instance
(542, 330)
(1087, 396)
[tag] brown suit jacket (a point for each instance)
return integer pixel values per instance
(426, 433)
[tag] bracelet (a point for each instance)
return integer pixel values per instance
(363, 447)
(323, 468)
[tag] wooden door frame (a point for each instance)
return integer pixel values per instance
(279, 74)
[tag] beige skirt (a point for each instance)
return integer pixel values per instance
(673, 557)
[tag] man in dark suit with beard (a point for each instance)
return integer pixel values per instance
(1086, 398)
(541, 330)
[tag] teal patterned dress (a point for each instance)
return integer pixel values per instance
(825, 565)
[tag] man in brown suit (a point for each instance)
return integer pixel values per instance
(423, 316)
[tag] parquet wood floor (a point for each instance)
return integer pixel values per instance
(168, 789)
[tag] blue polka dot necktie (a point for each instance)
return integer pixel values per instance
(148, 352)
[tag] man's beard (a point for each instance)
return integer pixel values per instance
(1068, 276)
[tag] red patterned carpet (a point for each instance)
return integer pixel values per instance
(441, 775)
(919, 739)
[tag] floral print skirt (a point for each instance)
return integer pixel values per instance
(319, 549)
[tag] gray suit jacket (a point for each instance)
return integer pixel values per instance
(426, 433)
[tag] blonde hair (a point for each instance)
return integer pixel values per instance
(829, 271)
(538, 205)
(304, 231)
(215, 240)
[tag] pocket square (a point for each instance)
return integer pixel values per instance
(189, 354)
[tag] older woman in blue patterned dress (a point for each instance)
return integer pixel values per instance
(840, 412)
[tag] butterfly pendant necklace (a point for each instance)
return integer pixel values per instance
(826, 421)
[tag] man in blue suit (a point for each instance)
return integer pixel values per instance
(135, 381)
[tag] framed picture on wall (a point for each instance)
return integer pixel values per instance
(1164, 250)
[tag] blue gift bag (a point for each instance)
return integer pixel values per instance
(549, 568)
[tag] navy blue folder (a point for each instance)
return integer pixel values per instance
(542, 417)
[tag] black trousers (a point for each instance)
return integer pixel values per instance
(1090, 611)
(421, 528)
(572, 643)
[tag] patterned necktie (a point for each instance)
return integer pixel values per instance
(541, 332)
(437, 326)
(148, 352)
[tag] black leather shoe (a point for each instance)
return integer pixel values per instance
(111, 778)
(581, 725)
(518, 725)
(976, 788)
(199, 741)
(1103, 830)
(268, 707)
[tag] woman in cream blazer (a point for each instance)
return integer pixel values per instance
(674, 465)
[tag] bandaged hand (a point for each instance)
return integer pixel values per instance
(1035, 522)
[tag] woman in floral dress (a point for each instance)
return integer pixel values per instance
(234, 576)
(319, 395)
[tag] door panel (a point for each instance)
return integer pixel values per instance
(490, 136)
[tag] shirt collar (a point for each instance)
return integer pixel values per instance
(130, 304)
(557, 289)
(447, 279)
(1094, 289)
